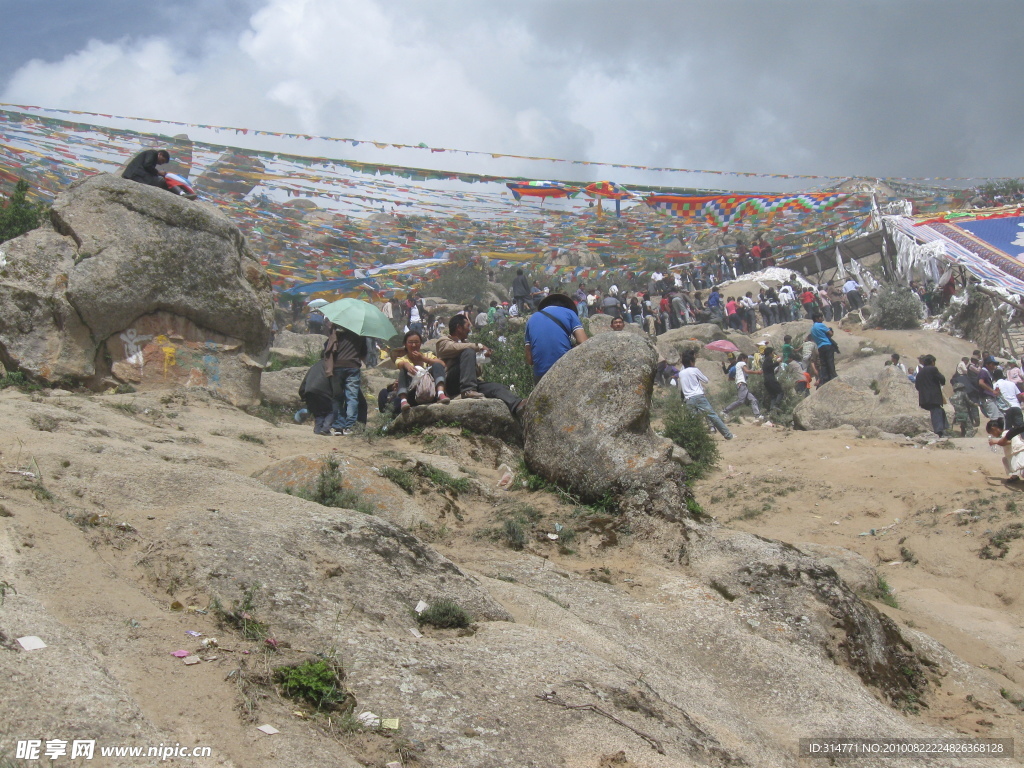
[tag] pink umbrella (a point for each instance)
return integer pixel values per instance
(722, 345)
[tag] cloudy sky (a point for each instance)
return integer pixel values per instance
(914, 88)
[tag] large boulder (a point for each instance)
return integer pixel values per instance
(603, 324)
(893, 409)
(134, 282)
(482, 417)
(297, 346)
(282, 387)
(587, 428)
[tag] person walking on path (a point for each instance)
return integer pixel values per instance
(691, 386)
(929, 384)
(743, 394)
(822, 336)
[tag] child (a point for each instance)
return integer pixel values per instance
(962, 407)
(743, 395)
(787, 348)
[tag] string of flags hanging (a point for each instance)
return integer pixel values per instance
(356, 226)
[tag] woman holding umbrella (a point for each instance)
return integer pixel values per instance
(351, 320)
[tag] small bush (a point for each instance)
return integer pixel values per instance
(18, 214)
(689, 430)
(443, 480)
(401, 478)
(241, 615)
(316, 683)
(507, 364)
(999, 543)
(245, 436)
(19, 380)
(329, 492)
(883, 593)
(513, 534)
(897, 308)
(444, 614)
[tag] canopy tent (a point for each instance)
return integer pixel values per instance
(988, 243)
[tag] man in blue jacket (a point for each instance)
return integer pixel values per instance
(550, 332)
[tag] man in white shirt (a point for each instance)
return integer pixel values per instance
(787, 299)
(851, 289)
(1009, 402)
(481, 320)
(691, 384)
(743, 395)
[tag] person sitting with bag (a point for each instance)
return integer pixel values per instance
(420, 375)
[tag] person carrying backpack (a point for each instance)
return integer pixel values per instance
(551, 331)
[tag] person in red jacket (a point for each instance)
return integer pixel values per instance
(807, 299)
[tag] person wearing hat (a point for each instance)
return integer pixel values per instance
(551, 331)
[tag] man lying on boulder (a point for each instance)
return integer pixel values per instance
(143, 168)
(459, 357)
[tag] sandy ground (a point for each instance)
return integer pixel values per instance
(920, 515)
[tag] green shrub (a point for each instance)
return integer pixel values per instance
(507, 364)
(316, 683)
(18, 215)
(443, 480)
(513, 534)
(19, 380)
(444, 614)
(689, 429)
(329, 492)
(400, 477)
(897, 308)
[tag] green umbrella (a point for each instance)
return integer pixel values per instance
(360, 318)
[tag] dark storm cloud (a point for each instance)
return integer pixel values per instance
(863, 87)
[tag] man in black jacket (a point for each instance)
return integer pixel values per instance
(521, 291)
(143, 168)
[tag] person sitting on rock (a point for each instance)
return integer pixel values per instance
(430, 367)
(459, 357)
(551, 331)
(143, 168)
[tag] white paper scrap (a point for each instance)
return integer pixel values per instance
(369, 719)
(421, 607)
(268, 729)
(31, 643)
(415, 632)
